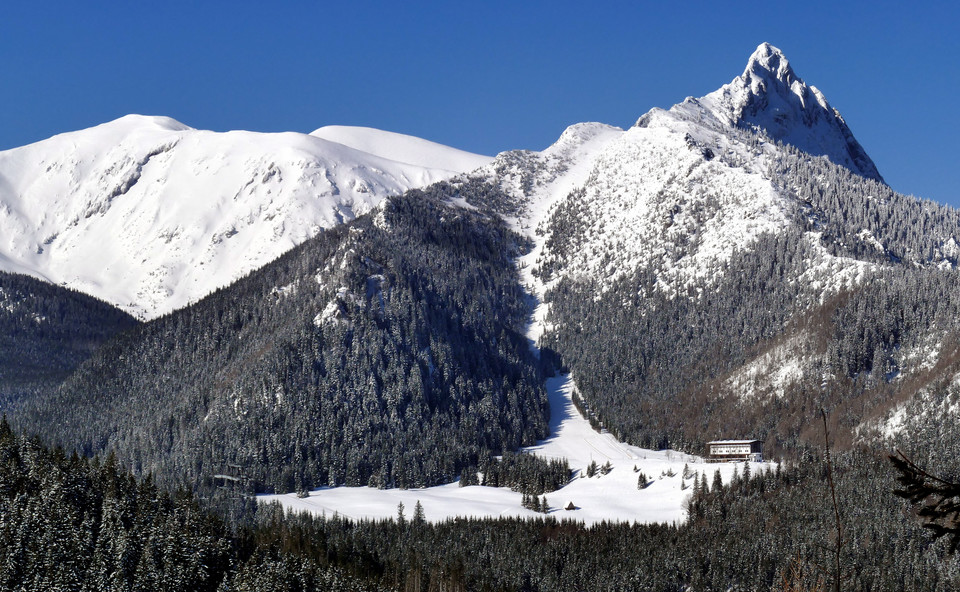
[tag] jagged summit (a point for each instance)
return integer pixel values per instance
(774, 87)
(768, 59)
(770, 96)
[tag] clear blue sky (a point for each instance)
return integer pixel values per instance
(484, 77)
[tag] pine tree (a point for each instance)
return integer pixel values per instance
(717, 485)
(418, 516)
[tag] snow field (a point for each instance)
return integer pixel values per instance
(613, 497)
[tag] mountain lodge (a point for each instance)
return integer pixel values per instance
(735, 450)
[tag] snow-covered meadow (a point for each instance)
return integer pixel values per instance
(612, 497)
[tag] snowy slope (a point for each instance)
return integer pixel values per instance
(680, 191)
(401, 148)
(654, 198)
(149, 214)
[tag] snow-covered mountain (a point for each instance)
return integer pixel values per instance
(677, 196)
(150, 214)
(755, 200)
(681, 190)
(700, 274)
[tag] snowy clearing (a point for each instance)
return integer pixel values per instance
(613, 497)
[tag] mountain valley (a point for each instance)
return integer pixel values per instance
(308, 315)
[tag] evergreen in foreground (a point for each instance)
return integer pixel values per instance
(69, 523)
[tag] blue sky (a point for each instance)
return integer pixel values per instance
(483, 77)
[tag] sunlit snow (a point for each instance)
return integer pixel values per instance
(612, 497)
(150, 214)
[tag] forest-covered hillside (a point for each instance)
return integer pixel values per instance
(71, 523)
(45, 332)
(388, 351)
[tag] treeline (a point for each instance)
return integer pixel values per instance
(525, 473)
(387, 352)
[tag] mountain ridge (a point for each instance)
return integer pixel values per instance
(260, 194)
(639, 232)
(150, 214)
(668, 215)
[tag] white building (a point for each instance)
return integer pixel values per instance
(735, 450)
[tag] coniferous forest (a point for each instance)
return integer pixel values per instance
(387, 352)
(46, 331)
(73, 523)
(657, 369)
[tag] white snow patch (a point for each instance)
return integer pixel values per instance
(922, 356)
(827, 274)
(771, 373)
(867, 237)
(895, 423)
(942, 404)
(284, 291)
(332, 313)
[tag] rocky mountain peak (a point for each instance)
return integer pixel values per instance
(771, 97)
(769, 62)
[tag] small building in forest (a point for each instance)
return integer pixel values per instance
(735, 450)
